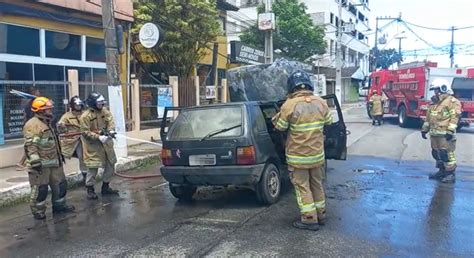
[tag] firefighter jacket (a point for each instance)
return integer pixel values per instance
(376, 102)
(304, 116)
(442, 117)
(69, 128)
(41, 143)
(97, 153)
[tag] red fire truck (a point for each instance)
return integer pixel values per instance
(406, 90)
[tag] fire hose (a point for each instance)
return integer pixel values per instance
(113, 136)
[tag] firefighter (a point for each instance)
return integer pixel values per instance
(376, 108)
(70, 137)
(441, 122)
(304, 115)
(97, 127)
(44, 160)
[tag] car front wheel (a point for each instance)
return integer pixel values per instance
(182, 192)
(269, 188)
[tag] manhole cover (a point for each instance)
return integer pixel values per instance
(17, 179)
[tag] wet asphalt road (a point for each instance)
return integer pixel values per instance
(380, 203)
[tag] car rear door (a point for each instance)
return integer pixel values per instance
(169, 116)
(335, 144)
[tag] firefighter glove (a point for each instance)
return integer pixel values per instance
(449, 136)
(423, 135)
(36, 165)
(103, 138)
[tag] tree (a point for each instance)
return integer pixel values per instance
(188, 25)
(386, 57)
(296, 37)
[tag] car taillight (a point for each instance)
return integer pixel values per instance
(166, 157)
(246, 155)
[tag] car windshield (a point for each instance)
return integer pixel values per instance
(197, 123)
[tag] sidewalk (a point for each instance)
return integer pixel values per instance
(14, 184)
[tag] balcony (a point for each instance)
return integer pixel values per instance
(227, 5)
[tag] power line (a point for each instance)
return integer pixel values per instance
(439, 29)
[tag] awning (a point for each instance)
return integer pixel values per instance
(358, 75)
(463, 84)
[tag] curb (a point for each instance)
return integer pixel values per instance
(19, 193)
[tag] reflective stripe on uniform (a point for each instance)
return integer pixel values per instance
(328, 118)
(307, 126)
(304, 160)
(452, 127)
(304, 208)
(320, 205)
(437, 132)
(282, 124)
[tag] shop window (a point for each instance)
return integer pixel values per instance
(63, 45)
(16, 71)
(19, 40)
(95, 50)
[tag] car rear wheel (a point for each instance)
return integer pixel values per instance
(269, 188)
(182, 192)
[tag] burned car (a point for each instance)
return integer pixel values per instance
(234, 144)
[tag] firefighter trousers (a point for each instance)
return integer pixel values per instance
(39, 182)
(109, 170)
(443, 151)
(80, 156)
(308, 184)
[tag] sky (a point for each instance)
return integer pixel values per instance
(432, 45)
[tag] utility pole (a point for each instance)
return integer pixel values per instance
(110, 37)
(113, 78)
(376, 50)
(268, 36)
(338, 88)
(451, 50)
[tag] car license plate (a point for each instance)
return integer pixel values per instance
(202, 160)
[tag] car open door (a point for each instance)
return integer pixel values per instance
(336, 133)
(169, 117)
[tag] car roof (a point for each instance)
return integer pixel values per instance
(229, 104)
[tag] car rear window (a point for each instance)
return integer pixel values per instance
(197, 123)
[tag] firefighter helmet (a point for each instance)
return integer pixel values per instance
(41, 103)
(442, 85)
(94, 99)
(76, 101)
(299, 80)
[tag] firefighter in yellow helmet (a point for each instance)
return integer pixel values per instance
(304, 116)
(441, 123)
(376, 107)
(69, 128)
(98, 130)
(44, 160)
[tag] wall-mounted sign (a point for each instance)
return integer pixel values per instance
(211, 92)
(266, 21)
(149, 35)
(240, 53)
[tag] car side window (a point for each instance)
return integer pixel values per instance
(261, 124)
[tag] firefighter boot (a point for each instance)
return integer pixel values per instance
(39, 216)
(106, 190)
(322, 218)
(307, 223)
(373, 122)
(449, 178)
(91, 193)
(84, 176)
(64, 208)
(438, 175)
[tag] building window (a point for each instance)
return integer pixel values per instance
(16, 71)
(63, 45)
(331, 48)
(95, 50)
(49, 72)
(331, 18)
(19, 40)
(337, 22)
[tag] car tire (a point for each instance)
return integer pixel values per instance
(402, 117)
(182, 192)
(269, 188)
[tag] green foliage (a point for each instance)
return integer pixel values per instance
(296, 36)
(386, 57)
(189, 26)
